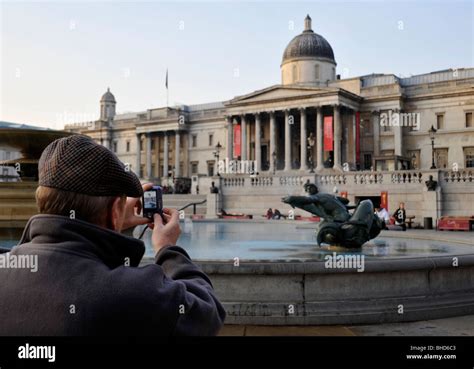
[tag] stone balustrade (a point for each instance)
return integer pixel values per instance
(358, 179)
(459, 176)
(407, 177)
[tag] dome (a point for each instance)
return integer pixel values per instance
(108, 97)
(308, 45)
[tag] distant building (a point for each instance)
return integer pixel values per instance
(312, 125)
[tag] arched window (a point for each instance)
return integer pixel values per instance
(316, 72)
(295, 73)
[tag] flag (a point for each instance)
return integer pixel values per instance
(166, 83)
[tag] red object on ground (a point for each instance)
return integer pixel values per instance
(311, 219)
(455, 223)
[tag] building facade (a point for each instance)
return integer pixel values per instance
(314, 125)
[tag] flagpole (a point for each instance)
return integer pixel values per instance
(167, 89)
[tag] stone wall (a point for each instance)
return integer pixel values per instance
(454, 195)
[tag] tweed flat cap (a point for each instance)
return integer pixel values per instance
(78, 164)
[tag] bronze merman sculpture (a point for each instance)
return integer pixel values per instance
(338, 227)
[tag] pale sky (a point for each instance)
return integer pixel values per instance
(59, 57)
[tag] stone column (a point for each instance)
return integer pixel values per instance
(337, 138)
(157, 149)
(148, 155)
(177, 149)
(230, 138)
(319, 138)
(258, 148)
(139, 156)
(398, 137)
(303, 139)
(165, 155)
(354, 139)
(376, 131)
(287, 141)
(272, 140)
(243, 141)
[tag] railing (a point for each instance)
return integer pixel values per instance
(460, 176)
(233, 181)
(264, 181)
(193, 204)
(261, 181)
(291, 181)
(407, 177)
(332, 179)
(362, 178)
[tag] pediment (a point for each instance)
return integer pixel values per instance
(280, 92)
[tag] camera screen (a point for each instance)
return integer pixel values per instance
(150, 199)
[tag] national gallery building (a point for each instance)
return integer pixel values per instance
(376, 136)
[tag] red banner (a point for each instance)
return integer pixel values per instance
(357, 138)
(384, 200)
(328, 134)
(236, 141)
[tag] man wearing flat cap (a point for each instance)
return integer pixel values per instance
(87, 280)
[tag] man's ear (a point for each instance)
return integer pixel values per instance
(116, 214)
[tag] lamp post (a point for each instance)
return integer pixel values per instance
(216, 155)
(274, 158)
(432, 131)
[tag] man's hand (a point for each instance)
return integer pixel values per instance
(166, 229)
(133, 208)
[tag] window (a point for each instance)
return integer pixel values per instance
(414, 156)
(210, 168)
(469, 121)
(440, 121)
(194, 140)
(387, 127)
(152, 144)
(367, 161)
(441, 158)
(469, 156)
(115, 146)
(211, 139)
(316, 72)
(194, 168)
(141, 145)
(128, 146)
(366, 125)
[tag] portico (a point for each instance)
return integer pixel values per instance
(161, 155)
(274, 132)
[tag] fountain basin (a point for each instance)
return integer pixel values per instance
(286, 281)
(273, 273)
